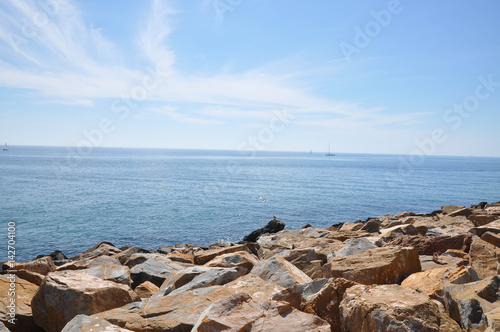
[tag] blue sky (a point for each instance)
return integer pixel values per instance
(399, 77)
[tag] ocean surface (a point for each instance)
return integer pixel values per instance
(151, 198)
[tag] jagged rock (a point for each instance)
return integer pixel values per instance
(33, 277)
(451, 208)
(183, 258)
(254, 286)
(242, 260)
(493, 227)
(156, 270)
(389, 234)
(102, 248)
(481, 205)
(484, 258)
(116, 273)
(390, 308)
(351, 247)
(42, 266)
(492, 238)
(274, 226)
(307, 260)
(175, 312)
(434, 244)
(352, 226)
(375, 266)
(84, 323)
(432, 282)
(321, 297)
(123, 256)
(139, 258)
(455, 253)
(403, 214)
(205, 256)
(437, 262)
(371, 226)
(306, 226)
(89, 262)
(461, 212)
(240, 312)
(200, 277)
(65, 294)
(473, 305)
(482, 219)
(146, 289)
(24, 292)
(57, 255)
(281, 272)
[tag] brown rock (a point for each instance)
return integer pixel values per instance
(371, 226)
(205, 256)
(389, 308)
(155, 269)
(24, 292)
(254, 286)
(493, 227)
(240, 312)
(123, 256)
(42, 266)
(492, 238)
(434, 244)
(451, 208)
(307, 260)
(482, 219)
(436, 262)
(84, 323)
(115, 273)
(65, 294)
(432, 282)
(180, 257)
(456, 253)
(102, 248)
(403, 214)
(281, 272)
(89, 262)
(376, 266)
(462, 212)
(242, 260)
(146, 289)
(484, 258)
(33, 277)
(352, 226)
(320, 297)
(176, 312)
(473, 305)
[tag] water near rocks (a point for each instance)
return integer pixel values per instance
(154, 197)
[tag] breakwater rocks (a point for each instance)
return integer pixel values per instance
(407, 272)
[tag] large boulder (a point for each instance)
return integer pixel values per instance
(386, 265)
(155, 270)
(352, 247)
(280, 271)
(484, 258)
(204, 256)
(102, 248)
(320, 297)
(65, 294)
(123, 256)
(432, 282)
(307, 260)
(240, 312)
(84, 323)
(89, 262)
(242, 260)
(254, 286)
(116, 273)
(274, 226)
(24, 292)
(41, 266)
(175, 312)
(473, 305)
(33, 277)
(434, 244)
(493, 227)
(387, 308)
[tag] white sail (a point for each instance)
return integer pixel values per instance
(5, 146)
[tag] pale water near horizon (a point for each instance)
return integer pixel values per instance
(157, 197)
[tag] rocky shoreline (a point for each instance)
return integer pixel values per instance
(435, 271)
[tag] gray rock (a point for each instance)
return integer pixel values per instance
(84, 323)
(155, 270)
(213, 276)
(280, 271)
(352, 247)
(116, 273)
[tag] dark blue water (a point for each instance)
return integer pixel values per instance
(153, 198)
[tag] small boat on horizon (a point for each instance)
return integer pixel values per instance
(5, 147)
(329, 154)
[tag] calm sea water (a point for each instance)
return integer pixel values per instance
(153, 198)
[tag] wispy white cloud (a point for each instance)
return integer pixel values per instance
(68, 60)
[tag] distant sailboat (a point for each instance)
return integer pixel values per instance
(5, 147)
(329, 154)
(311, 152)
